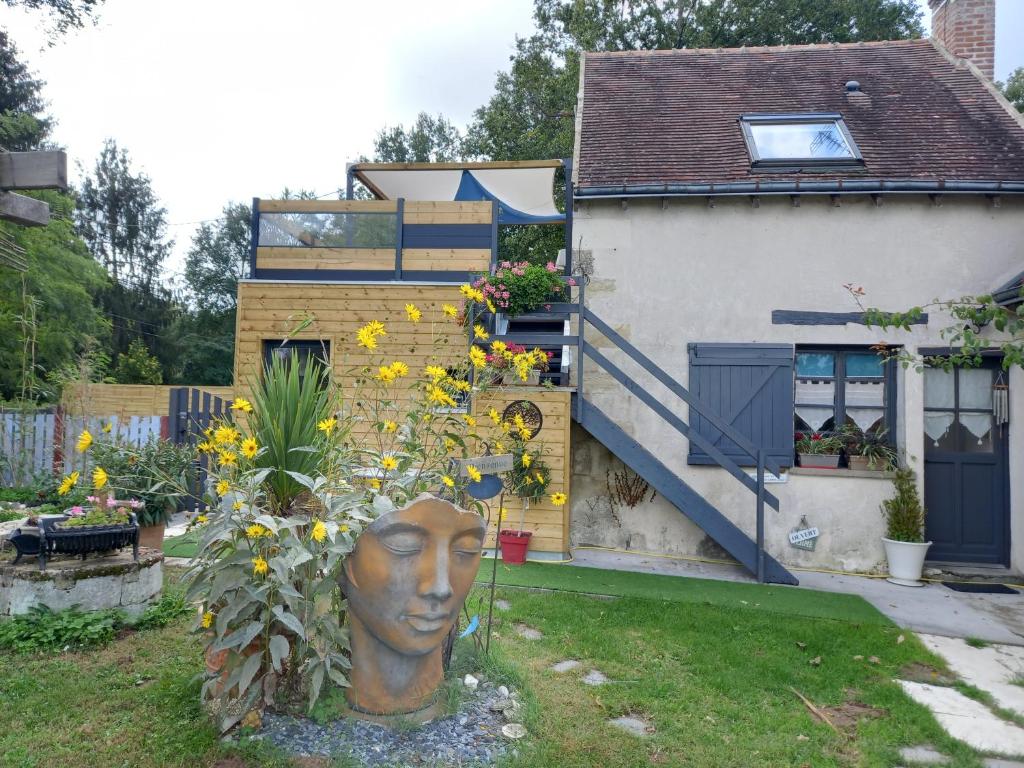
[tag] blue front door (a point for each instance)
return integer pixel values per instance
(966, 472)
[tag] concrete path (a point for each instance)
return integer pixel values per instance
(932, 609)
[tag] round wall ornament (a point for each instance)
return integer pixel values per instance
(529, 412)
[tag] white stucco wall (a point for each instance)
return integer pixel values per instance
(667, 276)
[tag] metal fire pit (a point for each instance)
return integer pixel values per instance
(79, 540)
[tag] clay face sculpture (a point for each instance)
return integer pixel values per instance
(405, 583)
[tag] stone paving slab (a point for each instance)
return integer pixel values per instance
(967, 720)
(992, 669)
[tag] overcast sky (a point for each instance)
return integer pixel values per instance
(225, 101)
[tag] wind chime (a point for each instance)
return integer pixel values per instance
(1001, 402)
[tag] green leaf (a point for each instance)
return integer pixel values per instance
(290, 620)
(249, 670)
(279, 649)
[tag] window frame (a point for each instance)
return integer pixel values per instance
(317, 347)
(840, 351)
(798, 118)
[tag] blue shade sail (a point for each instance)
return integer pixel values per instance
(810, 365)
(800, 141)
(864, 365)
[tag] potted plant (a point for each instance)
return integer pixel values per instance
(529, 481)
(905, 547)
(818, 451)
(512, 364)
(517, 287)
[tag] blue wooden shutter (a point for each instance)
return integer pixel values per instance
(750, 387)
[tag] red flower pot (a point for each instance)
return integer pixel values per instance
(514, 545)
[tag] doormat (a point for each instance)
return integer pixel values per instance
(979, 587)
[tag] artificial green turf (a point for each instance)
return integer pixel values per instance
(733, 595)
(570, 578)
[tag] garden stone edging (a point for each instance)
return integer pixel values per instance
(113, 581)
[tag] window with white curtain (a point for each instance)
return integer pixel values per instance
(840, 386)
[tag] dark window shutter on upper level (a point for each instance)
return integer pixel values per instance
(750, 386)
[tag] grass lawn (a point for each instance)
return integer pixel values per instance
(709, 664)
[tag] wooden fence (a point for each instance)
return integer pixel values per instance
(43, 441)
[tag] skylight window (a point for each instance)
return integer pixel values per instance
(800, 140)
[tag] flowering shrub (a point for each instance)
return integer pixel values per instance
(818, 444)
(518, 287)
(515, 358)
(296, 474)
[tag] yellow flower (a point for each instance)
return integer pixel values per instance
(459, 385)
(366, 338)
(480, 333)
(437, 395)
(227, 458)
(225, 434)
(343, 528)
(107, 427)
(449, 310)
(223, 486)
(477, 356)
(237, 505)
(377, 328)
(499, 346)
(499, 447)
(259, 566)
(207, 621)
(526, 459)
(319, 532)
(205, 447)
(84, 441)
(400, 369)
(249, 448)
(558, 499)
(413, 313)
(435, 372)
(327, 425)
(491, 307)
(208, 433)
(449, 444)
(467, 290)
(495, 416)
(241, 404)
(389, 463)
(200, 519)
(473, 473)
(525, 433)
(99, 478)
(448, 481)
(470, 421)
(385, 374)
(256, 530)
(68, 483)
(375, 483)
(540, 478)
(390, 426)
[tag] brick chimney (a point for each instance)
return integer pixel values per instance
(967, 28)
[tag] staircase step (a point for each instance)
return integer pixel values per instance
(672, 487)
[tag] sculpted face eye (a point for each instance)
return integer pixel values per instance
(467, 545)
(403, 542)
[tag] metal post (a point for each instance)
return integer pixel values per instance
(399, 225)
(760, 516)
(349, 181)
(581, 321)
(567, 165)
(254, 235)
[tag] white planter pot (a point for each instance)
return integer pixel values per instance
(906, 561)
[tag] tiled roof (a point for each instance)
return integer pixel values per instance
(670, 117)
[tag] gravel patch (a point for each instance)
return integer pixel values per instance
(634, 725)
(528, 632)
(595, 677)
(470, 737)
(565, 666)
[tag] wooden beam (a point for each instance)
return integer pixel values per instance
(33, 170)
(328, 206)
(493, 164)
(23, 210)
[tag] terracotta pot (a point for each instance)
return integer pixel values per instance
(514, 545)
(215, 663)
(152, 536)
(819, 460)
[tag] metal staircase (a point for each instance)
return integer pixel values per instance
(749, 552)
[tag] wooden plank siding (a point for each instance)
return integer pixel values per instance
(267, 311)
(413, 259)
(127, 400)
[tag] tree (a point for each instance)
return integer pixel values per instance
(65, 15)
(137, 366)
(50, 310)
(23, 124)
(429, 140)
(1013, 88)
(219, 258)
(122, 221)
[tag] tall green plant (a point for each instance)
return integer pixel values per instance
(289, 403)
(904, 515)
